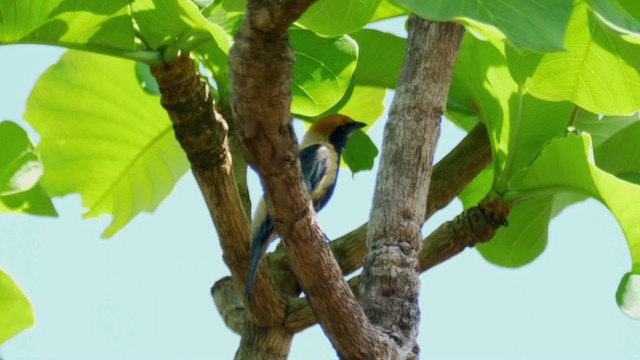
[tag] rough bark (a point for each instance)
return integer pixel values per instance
(473, 226)
(261, 63)
(202, 133)
(263, 343)
(450, 176)
(389, 282)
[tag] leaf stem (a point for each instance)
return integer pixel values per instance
(148, 57)
(514, 129)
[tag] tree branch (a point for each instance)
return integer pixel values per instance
(475, 225)
(202, 133)
(450, 176)
(389, 281)
(261, 74)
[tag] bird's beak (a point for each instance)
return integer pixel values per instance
(358, 125)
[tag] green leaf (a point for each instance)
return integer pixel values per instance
(621, 14)
(20, 170)
(380, 58)
(322, 71)
(360, 152)
(31, 202)
(364, 104)
(598, 72)
(82, 24)
(620, 154)
(481, 88)
(104, 137)
(234, 5)
(518, 124)
(388, 9)
(602, 129)
(524, 238)
(536, 25)
(567, 165)
(338, 17)
(147, 82)
(16, 313)
(628, 295)
(477, 189)
(173, 22)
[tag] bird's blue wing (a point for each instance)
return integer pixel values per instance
(263, 235)
(315, 160)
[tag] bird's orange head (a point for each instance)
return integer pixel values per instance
(333, 129)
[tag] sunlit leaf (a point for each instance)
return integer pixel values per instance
(620, 154)
(598, 72)
(628, 295)
(524, 238)
(477, 189)
(20, 170)
(536, 25)
(567, 165)
(167, 21)
(518, 123)
(603, 128)
(338, 17)
(104, 137)
(621, 14)
(70, 23)
(380, 58)
(388, 9)
(16, 313)
(322, 72)
(365, 104)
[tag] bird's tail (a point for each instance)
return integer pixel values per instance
(256, 252)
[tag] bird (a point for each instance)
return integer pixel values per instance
(319, 157)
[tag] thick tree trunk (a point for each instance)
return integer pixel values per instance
(264, 343)
(389, 283)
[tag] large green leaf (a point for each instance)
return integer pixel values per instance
(620, 154)
(524, 238)
(20, 170)
(338, 17)
(388, 9)
(104, 137)
(518, 123)
(526, 235)
(173, 22)
(360, 152)
(628, 295)
(567, 165)
(603, 128)
(380, 57)
(365, 104)
(16, 313)
(322, 72)
(621, 14)
(536, 25)
(84, 24)
(598, 71)
(482, 86)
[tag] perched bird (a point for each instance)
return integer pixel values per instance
(320, 161)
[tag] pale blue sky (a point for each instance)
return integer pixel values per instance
(145, 293)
